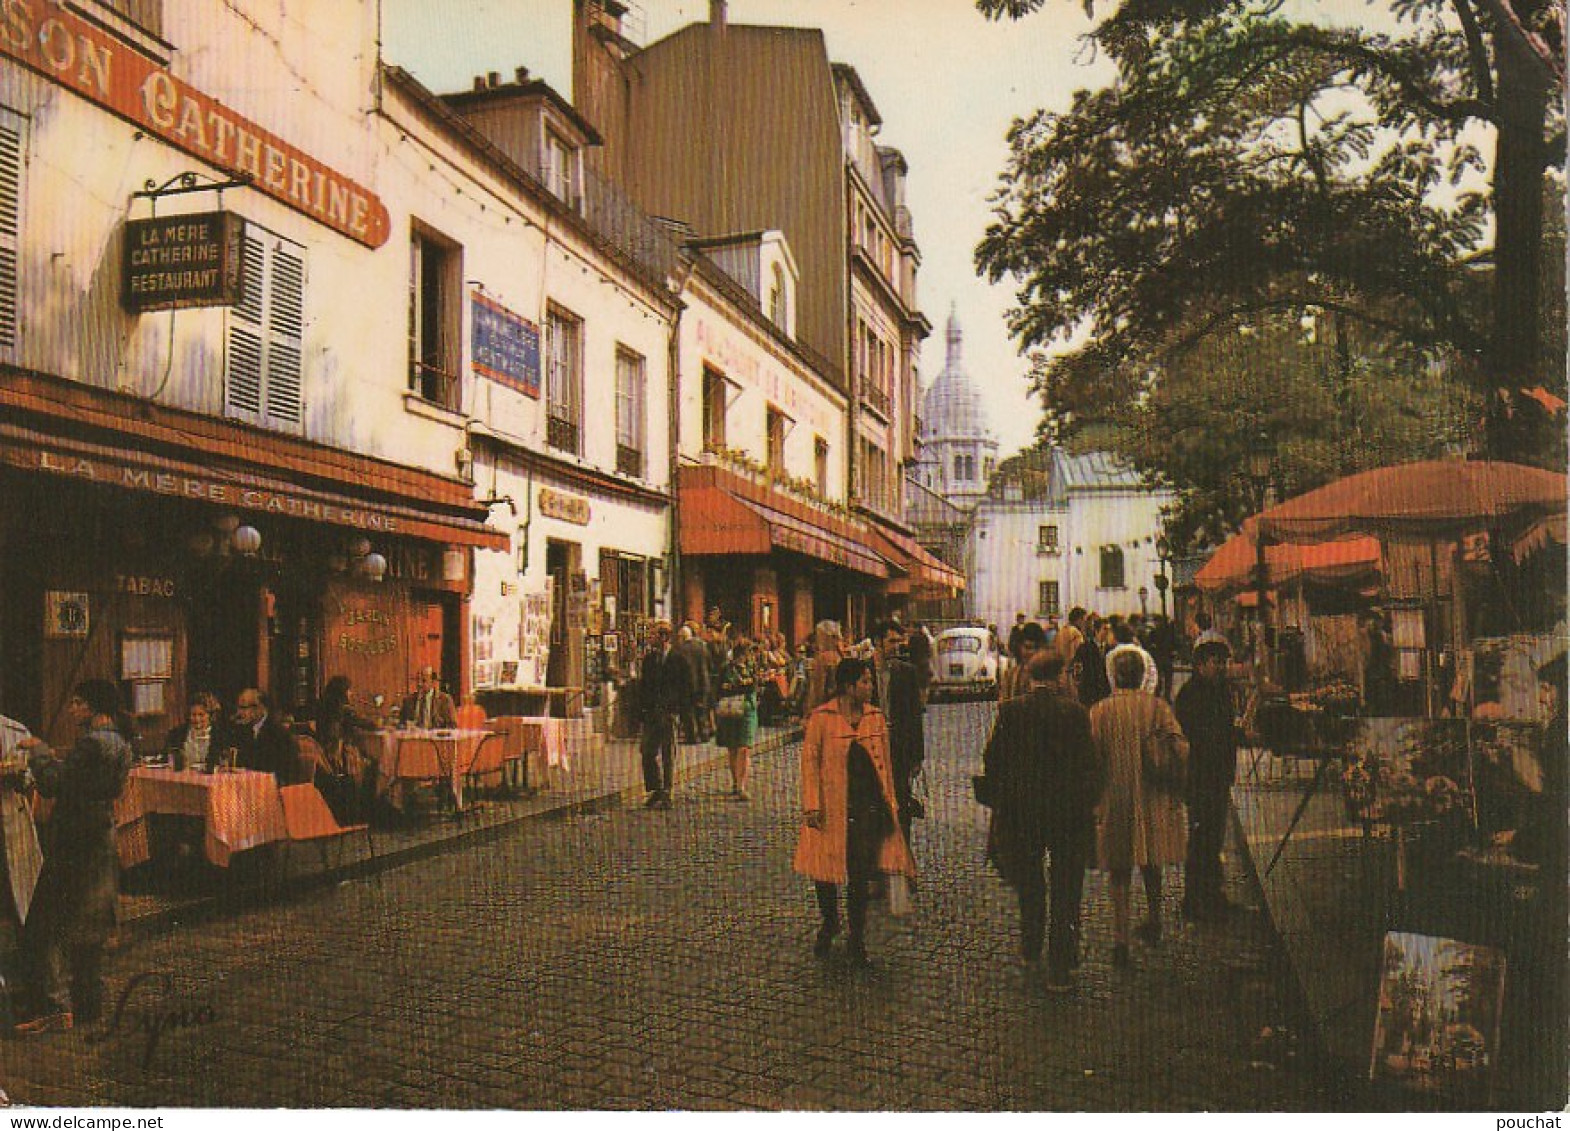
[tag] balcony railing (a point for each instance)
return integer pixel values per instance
(629, 461)
(562, 434)
(434, 384)
(875, 398)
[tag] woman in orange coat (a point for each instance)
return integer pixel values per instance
(850, 826)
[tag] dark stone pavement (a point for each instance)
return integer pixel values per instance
(633, 959)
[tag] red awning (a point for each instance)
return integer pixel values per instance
(716, 521)
(922, 570)
(1418, 501)
(1232, 566)
(129, 470)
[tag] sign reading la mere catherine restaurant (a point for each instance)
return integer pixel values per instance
(47, 37)
(178, 261)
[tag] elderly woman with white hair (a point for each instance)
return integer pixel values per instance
(1140, 821)
(828, 651)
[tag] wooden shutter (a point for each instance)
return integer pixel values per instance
(243, 353)
(10, 222)
(264, 363)
(285, 329)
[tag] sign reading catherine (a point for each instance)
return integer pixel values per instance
(180, 261)
(62, 46)
(506, 346)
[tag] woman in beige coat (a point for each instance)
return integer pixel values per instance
(850, 826)
(1139, 822)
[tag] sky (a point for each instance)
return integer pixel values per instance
(946, 82)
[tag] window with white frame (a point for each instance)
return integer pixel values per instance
(12, 148)
(435, 315)
(716, 391)
(630, 412)
(263, 345)
(777, 313)
(1047, 604)
(775, 427)
(561, 173)
(1112, 573)
(1047, 539)
(564, 381)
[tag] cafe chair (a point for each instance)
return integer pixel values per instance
(308, 820)
(312, 757)
(486, 768)
(423, 761)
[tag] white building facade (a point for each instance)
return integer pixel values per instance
(1061, 531)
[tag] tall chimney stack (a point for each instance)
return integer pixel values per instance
(717, 14)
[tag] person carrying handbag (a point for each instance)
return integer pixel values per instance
(1140, 820)
(849, 828)
(736, 715)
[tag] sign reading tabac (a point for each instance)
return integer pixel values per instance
(47, 37)
(178, 261)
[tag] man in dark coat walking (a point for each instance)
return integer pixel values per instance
(897, 693)
(663, 693)
(693, 654)
(1043, 782)
(1204, 710)
(74, 906)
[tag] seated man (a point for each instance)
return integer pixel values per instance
(429, 708)
(262, 742)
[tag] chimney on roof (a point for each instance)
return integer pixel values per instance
(717, 14)
(493, 77)
(479, 82)
(521, 75)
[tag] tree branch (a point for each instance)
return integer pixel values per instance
(1476, 49)
(1360, 54)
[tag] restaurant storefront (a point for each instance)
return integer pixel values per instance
(769, 562)
(174, 552)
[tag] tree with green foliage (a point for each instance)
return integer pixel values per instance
(1250, 166)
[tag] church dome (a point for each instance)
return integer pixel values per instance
(952, 408)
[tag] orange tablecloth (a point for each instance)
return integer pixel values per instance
(421, 755)
(240, 810)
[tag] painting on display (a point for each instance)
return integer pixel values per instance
(1514, 809)
(1437, 1029)
(1411, 772)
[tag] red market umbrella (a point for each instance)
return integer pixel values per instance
(1418, 501)
(1232, 566)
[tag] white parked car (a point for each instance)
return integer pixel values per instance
(965, 661)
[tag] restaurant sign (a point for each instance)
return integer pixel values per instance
(506, 346)
(207, 490)
(47, 37)
(178, 261)
(567, 508)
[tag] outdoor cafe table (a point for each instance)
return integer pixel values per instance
(425, 755)
(239, 809)
(544, 737)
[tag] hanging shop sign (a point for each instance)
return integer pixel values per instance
(47, 37)
(178, 261)
(506, 346)
(567, 508)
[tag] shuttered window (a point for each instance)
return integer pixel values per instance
(264, 358)
(11, 150)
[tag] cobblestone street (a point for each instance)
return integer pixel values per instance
(639, 959)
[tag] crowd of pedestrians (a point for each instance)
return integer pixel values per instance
(1088, 764)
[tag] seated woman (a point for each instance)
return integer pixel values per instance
(348, 779)
(196, 744)
(471, 716)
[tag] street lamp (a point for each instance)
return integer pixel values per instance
(1261, 460)
(1163, 552)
